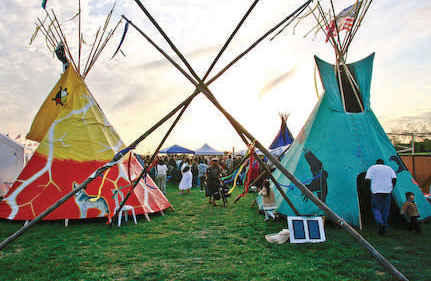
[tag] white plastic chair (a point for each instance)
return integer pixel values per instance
(125, 210)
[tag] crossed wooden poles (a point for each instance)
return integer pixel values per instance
(202, 87)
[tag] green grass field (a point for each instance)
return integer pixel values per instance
(201, 242)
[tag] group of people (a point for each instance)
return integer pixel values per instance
(382, 180)
(205, 172)
(196, 171)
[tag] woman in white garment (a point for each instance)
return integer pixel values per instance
(187, 177)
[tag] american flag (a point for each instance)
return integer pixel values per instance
(344, 20)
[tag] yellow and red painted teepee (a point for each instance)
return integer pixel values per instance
(75, 139)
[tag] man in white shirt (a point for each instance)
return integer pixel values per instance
(162, 170)
(383, 180)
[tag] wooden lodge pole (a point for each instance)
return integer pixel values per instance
(153, 157)
(264, 173)
(242, 131)
(277, 185)
(259, 40)
(189, 100)
(57, 204)
(79, 37)
(339, 220)
(96, 174)
(100, 170)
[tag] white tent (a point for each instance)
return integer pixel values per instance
(11, 162)
(276, 152)
(207, 150)
(244, 151)
(279, 150)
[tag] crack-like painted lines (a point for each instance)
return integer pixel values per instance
(61, 140)
(115, 148)
(135, 172)
(11, 199)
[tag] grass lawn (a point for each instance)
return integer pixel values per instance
(200, 242)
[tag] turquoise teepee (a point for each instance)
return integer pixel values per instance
(341, 139)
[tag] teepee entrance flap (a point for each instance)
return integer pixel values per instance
(347, 86)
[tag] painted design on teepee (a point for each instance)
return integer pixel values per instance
(11, 199)
(77, 142)
(61, 96)
(319, 181)
(86, 202)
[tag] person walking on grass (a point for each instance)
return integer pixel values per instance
(213, 182)
(195, 172)
(382, 179)
(187, 177)
(202, 170)
(162, 170)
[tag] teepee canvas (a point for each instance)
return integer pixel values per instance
(76, 139)
(11, 162)
(341, 139)
(284, 136)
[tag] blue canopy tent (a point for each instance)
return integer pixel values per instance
(208, 150)
(176, 149)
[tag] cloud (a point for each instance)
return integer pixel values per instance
(137, 90)
(125, 101)
(276, 82)
(414, 123)
(165, 63)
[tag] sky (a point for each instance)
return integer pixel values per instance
(137, 90)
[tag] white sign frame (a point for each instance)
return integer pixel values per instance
(305, 224)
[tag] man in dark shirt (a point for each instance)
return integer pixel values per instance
(213, 182)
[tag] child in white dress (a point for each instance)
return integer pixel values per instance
(186, 180)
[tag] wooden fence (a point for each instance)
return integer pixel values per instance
(420, 167)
